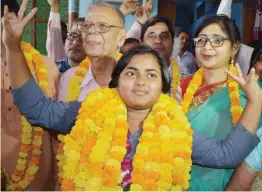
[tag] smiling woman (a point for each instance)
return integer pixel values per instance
(212, 99)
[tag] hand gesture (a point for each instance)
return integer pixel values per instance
(13, 26)
(249, 84)
(143, 13)
(129, 6)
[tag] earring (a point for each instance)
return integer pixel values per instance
(232, 61)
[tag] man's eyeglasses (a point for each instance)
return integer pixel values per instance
(100, 27)
(215, 41)
(73, 36)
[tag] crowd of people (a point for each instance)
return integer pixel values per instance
(114, 110)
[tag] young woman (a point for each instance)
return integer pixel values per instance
(212, 100)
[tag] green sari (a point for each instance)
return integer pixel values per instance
(212, 119)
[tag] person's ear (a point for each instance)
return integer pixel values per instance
(235, 49)
(121, 38)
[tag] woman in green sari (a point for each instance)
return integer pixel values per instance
(210, 99)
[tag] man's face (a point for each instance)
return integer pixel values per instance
(159, 38)
(101, 44)
(74, 46)
(184, 38)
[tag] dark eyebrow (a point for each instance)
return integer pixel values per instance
(165, 32)
(148, 70)
(153, 70)
(151, 33)
(130, 67)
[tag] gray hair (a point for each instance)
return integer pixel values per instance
(103, 3)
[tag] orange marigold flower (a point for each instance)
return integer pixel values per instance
(150, 175)
(68, 185)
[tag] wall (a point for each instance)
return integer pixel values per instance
(211, 9)
(130, 19)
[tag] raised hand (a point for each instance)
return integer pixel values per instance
(55, 5)
(13, 26)
(143, 13)
(129, 6)
(249, 84)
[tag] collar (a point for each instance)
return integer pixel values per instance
(88, 78)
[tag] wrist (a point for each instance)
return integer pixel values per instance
(55, 8)
(123, 11)
(140, 23)
(14, 48)
(256, 104)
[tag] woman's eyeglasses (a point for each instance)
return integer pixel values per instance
(215, 41)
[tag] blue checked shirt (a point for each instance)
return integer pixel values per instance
(63, 66)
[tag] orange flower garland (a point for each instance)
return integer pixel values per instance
(96, 146)
(31, 137)
(233, 89)
(73, 91)
(176, 76)
(236, 108)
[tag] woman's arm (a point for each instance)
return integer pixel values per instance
(43, 111)
(230, 152)
(241, 180)
(243, 177)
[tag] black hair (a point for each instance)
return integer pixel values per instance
(256, 57)
(127, 41)
(131, 40)
(140, 50)
(153, 21)
(79, 19)
(226, 24)
(13, 6)
(184, 31)
(63, 31)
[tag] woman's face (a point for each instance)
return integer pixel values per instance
(258, 68)
(140, 83)
(212, 57)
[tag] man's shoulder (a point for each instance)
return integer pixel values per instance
(70, 72)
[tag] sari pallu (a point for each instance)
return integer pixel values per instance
(213, 119)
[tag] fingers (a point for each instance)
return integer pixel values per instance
(22, 9)
(29, 17)
(252, 75)
(6, 10)
(6, 25)
(239, 80)
(239, 71)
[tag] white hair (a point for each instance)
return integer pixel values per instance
(103, 3)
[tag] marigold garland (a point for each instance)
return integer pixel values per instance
(233, 89)
(176, 76)
(96, 146)
(73, 91)
(31, 137)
